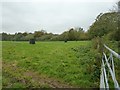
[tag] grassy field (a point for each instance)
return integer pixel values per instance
(48, 64)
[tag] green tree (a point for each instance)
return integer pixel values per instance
(105, 24)
(29, 36)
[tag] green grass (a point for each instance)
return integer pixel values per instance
(68, 62)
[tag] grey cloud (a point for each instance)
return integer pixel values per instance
(53, 17)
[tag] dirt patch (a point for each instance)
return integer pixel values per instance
(45, 80)
(34, 77)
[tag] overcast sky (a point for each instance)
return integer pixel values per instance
(50, 15)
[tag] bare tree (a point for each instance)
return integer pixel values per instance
(116, 7)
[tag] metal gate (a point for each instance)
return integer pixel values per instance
(109, 63)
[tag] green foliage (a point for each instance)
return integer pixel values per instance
(28, 37)
(64, 36)
(17, 37)
(71, 35)
(105, 24)
(97, 48)
(6, 37)
(38, 34)
(97, 44)
(74, 35)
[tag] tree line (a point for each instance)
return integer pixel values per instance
(71, 35)
(106, 25)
